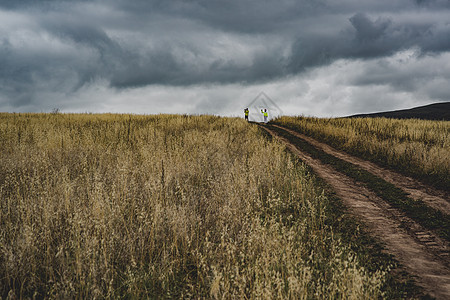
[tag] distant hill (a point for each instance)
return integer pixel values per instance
(436, 111)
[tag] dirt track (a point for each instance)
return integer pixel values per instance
(420, 251)
(416, 190)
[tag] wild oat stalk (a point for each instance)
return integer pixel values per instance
(111, 206)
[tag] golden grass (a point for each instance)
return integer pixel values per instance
(112, 206)
(417, 147)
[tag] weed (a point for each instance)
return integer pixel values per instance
(112, 206)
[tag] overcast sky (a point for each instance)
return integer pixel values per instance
(311, 57)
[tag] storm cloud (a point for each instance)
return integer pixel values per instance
(54, 52)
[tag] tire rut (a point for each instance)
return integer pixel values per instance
(439, 200)
(420, 251)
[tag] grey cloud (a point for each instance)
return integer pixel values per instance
(366, 30)
(425, 76)
(368, 39)
(157, 67)
(163, 67)
(180, 43)
(109, 54)
(433, 3)
(250, 16)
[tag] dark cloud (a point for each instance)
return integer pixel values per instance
(433, 3)
(368, 31)
(367, 39)
(407, 72)
(251, 16)
(62, 46)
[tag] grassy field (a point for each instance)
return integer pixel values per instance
(170, 206)
(417, 148)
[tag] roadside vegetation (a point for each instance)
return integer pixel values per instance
(417, 210)
(417, 148)
(121, 206)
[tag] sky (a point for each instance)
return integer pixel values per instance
(325, 58)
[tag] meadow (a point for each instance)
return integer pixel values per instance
(168, 206)
(418, 148)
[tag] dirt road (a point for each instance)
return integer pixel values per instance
(422, 253)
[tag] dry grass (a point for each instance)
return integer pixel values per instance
(417, 147)
(112, 206)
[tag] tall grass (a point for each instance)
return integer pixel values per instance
(112, 206)
(418, 148)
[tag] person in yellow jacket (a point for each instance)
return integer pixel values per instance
(246, 111)
(266, 115)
